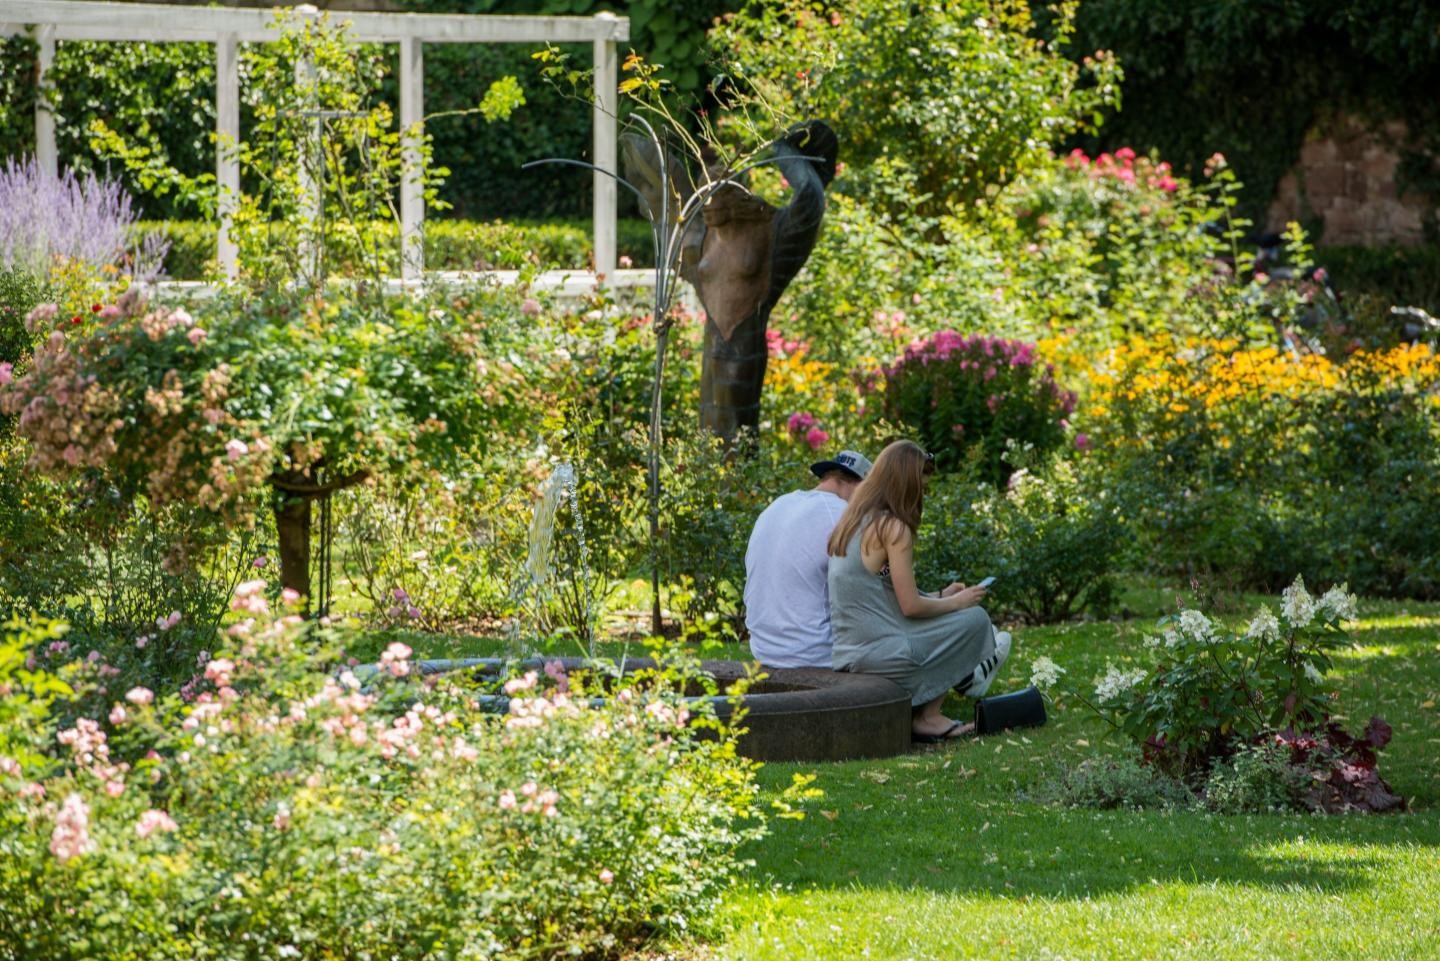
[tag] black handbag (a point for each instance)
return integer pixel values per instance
(1024, 708)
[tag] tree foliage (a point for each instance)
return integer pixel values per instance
(936, 104)
(1251, 79)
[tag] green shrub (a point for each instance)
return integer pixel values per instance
(44, 535)
(141, 586)
(1054, 539)
(192, 246)
(286, 811)
(1369, 477)
(432, 552)
(711, 498)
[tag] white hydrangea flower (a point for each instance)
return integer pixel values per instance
(1117, 682)
(1196, 626)
(1315, 676)
(1151, 641)
(1339, 604)
(1297, 605)
(1264, 627)
(1045, 673)
(1172, 639)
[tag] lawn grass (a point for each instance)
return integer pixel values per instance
(940, 854)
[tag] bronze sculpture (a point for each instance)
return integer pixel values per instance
(740, 255)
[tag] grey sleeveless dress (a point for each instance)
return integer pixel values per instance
(925, 656)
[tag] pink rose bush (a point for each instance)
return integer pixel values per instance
(1125, 167)
(135, 396)
(336, 801)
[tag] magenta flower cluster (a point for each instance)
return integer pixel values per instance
(778, 345)
(958, 391)
(803, 426)
(984, 356)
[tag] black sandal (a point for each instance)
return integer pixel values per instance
(949, 735)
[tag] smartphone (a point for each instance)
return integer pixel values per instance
(986, 582)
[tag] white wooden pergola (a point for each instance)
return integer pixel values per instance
(57, 20)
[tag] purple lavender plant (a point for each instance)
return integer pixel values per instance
(44, 217)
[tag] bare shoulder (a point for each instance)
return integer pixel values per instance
(893, 532)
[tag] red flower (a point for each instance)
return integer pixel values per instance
(95, 308)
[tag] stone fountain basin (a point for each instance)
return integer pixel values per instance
(793, 714)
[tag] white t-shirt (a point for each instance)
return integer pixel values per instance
(787, 603)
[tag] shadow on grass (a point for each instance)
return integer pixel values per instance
(1017, 849)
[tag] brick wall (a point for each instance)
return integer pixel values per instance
(1346, 179)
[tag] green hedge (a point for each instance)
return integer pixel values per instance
(449, 245)
(1408, 276)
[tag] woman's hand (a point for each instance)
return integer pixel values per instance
(964, 596)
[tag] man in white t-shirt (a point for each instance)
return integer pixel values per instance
(787, 603)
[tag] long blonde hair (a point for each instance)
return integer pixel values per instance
(894, 489)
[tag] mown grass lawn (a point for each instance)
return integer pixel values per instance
(939, 854)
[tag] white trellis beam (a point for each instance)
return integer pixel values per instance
(46, 154)
(151, 22)
(412, 127)
(607, 106)
(87, 20)
(227, 140)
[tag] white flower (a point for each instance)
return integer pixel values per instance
(1045, 673)
(1315, 676)
(1117, 682)
(1264, 627)
(1338, 604)
(1195, 626)
(1297, 605)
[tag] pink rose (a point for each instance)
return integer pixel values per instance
(140, 695)
(155, 820)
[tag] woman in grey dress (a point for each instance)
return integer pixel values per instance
(883, 624)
